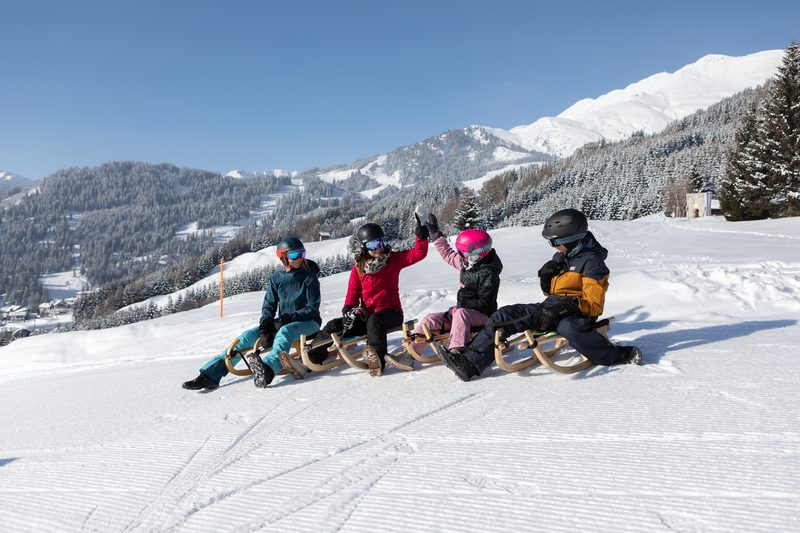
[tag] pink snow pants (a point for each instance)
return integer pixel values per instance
(463, 320)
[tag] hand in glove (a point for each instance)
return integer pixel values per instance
(421, 231)
(266, 332)
(546, 274)
(350, 316)
(433, 227)
(285, 318)
(549, 317)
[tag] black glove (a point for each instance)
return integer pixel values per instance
(350, 317)
(346, 309)
(546, 274)
(421, 231)
(433, 227)
(282, 321)
(549, 317)
(266, 333)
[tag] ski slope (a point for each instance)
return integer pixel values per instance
(98, 435)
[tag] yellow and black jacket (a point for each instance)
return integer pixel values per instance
(583, 276)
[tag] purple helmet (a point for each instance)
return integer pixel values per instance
(473, 242)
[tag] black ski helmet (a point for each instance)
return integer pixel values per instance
(369, 232)
(565, 226)
(289, 243)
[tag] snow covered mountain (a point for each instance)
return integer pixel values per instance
(647, 105)
(246, 174)
(8, 180)
(478, 152)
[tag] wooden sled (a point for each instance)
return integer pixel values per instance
(342, 348)
(256, 348)
(430, 337)
(529, 339)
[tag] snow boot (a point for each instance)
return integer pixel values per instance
(628, 355)
(201, 382)
(401, 359)
(439, 350)
(461, 366)
(295, 367)
(370, 356)
(262, 374)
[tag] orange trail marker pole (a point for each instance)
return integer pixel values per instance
(221, 261)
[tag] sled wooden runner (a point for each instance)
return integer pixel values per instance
(342, 348)
(429, 337)
(247, 351)
(530, 339)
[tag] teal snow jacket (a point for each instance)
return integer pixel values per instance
(293, 292)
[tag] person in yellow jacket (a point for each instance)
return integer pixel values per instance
(575, 282)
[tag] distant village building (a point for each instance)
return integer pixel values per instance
(698, 204)
(324, 235)
(45, 309)
(20, 315)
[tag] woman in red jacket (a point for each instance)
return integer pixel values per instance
(372, 305)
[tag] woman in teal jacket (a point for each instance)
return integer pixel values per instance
(290, 309)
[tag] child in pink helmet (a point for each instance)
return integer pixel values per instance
(476, 300)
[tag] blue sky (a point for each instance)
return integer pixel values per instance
(294, 85)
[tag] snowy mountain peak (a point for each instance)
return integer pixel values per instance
(647, 105)
(8, 180)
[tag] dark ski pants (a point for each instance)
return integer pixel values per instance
(578, 330)
(374, 328)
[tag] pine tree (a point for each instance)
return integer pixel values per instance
(740, 197)
(763, 173)
(780, 137)
(467, 216)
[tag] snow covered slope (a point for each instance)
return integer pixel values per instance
(647, 105)
(97, 434)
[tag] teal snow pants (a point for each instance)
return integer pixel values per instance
(216, 369)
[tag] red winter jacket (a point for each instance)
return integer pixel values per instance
(381, 290)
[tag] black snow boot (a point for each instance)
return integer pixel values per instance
(456, 361)
(262, 374)
(628, 355)
(201, 382)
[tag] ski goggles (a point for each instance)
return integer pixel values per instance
(566, 240)
(297, 253)
(476, 252)
(375, 244)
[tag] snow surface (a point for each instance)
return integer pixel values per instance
(647, 105)
(98, 435)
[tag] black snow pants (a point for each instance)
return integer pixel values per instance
(374, 328)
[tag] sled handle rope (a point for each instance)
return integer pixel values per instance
(408, 339)
(429, 337)
(230, 353)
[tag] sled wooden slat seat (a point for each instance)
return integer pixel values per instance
(257, 346)
(342, 349)
(530, 339)
(429, 337)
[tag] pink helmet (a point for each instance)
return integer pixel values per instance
(473, 242)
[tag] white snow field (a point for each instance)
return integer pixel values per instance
(98, 435)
